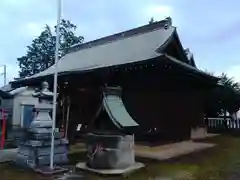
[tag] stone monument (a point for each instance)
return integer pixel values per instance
(34, 149)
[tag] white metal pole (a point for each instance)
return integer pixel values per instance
(59, 4)
(5, 74)
(67, 119)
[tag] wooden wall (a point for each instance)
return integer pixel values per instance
(173, 114)
(168, 99)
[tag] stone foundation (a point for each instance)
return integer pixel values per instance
(198, 132)
(110, 151)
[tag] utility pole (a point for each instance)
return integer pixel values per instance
(4, 73)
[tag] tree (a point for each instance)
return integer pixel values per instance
(41, 53)
(151, 21)
(224, 98)
(230, 93)
(229, 82)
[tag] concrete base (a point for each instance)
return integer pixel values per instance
(7, 155)
(169, 151)
(71, 176)
(208, 135)
(48, 172)
(136, 166)
(199, 133)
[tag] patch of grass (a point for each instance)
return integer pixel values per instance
(11, 172)
(221, 161)
(218, 163)
(75, 158)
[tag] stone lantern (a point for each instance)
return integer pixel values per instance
(34, 150)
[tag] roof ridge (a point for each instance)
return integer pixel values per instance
(122, 35)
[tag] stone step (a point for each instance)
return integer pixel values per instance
(41, 151)
(32, 162)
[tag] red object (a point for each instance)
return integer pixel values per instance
(62, 129)
(4, 123)
(98, 149)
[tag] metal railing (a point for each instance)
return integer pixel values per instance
(227, 123)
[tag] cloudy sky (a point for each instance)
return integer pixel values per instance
(211, 29)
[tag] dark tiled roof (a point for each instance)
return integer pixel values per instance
(6, 88)
(125, 34)
(190, 57)
(4, 94)
(131, 46)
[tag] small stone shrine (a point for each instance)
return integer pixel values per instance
(34, 149)
(110, 147)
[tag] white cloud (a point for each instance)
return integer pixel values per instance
(24, 19)
(25, 5)
(159, 12)
(234, 71)
(11, 68)
(14, 2)
(33, 29)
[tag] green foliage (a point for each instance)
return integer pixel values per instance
(41, 53)
(229, 82)
(151, 21)
(225, 97)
